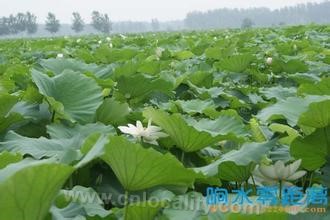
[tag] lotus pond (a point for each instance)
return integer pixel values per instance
(166, 126)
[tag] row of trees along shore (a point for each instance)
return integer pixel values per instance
(213, 19)
(27, 22)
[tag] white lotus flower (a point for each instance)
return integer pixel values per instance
(122, 36)
(110, 45)
(60, 55)
(279, 173)
(78, 40)
(149, 134)
(100, 42)
(269, 61)
(215, 38)
(108, 39)
(159, 51)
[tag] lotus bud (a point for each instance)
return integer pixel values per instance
(269, 61)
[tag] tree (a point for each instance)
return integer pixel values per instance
(101, 22)
(20, 22)
(247, 23)
(4, 27)
(12, 24)
(155, 24)
(52, 24)
(31, 25)
(77, 22)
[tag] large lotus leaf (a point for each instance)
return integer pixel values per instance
(312, 149)
(30, 111)
(143, 210)
(295, 66)
(6, 84)
(8, 158)
(195, 106)
(28, 188)
(149, 67)
(70, 93)
(42, 147)
(58, 131)
(230, 171)
(290, 109)
(213, 53)
(192, 136)
(78, 202)
(92, 148)
(138, 86)
(7, 102)
(320, 88)
(138, 168)
(112, 112)
(212, 92)
(249, 152)
(280, 128)
(236, 63)
(8, 118)
(257, 132)
(188, 206)
(57, 66)
(228, 124)
(183, 55)
(317, 115)
(111, 55)
(200, 78)
(278, 92)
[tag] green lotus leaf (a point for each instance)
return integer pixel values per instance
(312, 149)
(72, 95)
(139, 86)
(280, 128)
(143, 210)
(290, 109)
(8, 158)
(249, 152)
(8, 118)
(78, 202)
(236, 63)
(317, 115)
(190, 135)
(230, 171)
(57, 66)
(138, 168)
(110, 55)
(184, 55)
(28, 188)
(295, 66)
(320, 88)
(195, 106)
(58, 131)
(42, 147)
(112, 112)
(278, 92)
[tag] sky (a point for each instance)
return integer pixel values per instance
(134, 10)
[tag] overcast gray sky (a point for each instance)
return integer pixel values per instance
(137, 10)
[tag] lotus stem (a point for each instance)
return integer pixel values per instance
(254, 184)
(53, 116)
(126, 205)
(182, 157)
(280, 189)
(310, 180)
